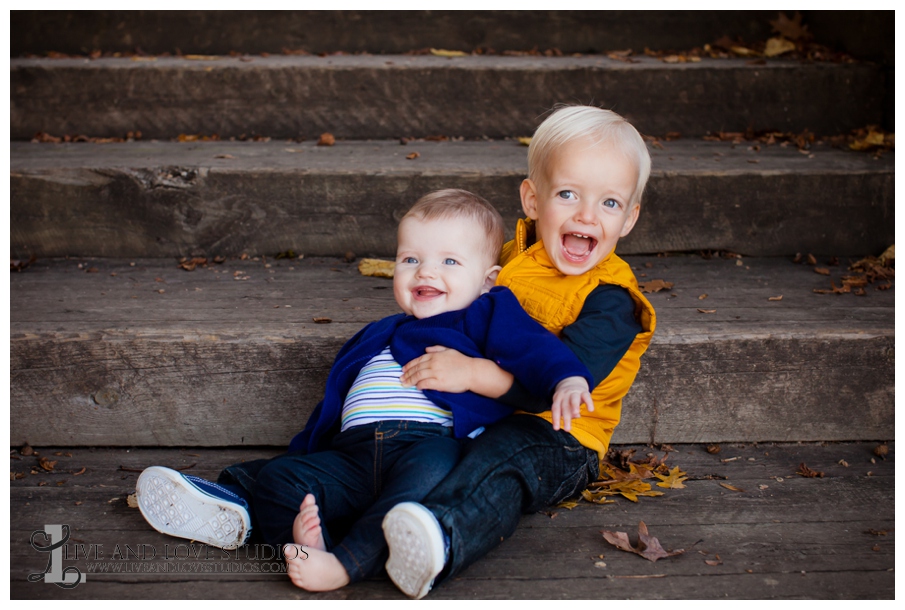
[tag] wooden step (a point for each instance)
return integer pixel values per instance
(104, 353)
(168, 199)
(865, 34)
(776, 535)
(392, 96)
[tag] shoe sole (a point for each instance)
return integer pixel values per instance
(175, 507)
(416, 548)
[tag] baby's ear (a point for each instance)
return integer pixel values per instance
(490, 278)
(630, 220)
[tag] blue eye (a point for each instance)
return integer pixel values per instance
(611, 203)
(411, 260)
(568, 195)
(450, 261)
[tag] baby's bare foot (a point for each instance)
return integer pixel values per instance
(306, 529)
(314, 570)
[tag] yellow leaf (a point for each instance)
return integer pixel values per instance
(673, 480)
(568, 505)
(744, 51)
(376, 268)
(871, 140)
(524, 141)
(201, 57)
(447, 53)
(598, 497)
(777, 46)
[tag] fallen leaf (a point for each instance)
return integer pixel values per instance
(376, 268)
(777, 46)
(702, 297)
(821, 270)
(524, 141)
(189, 265)
(26, 450)
(804, 471)
(843, 463)
(654, 286)
(326, 139)
(874, 532)
(673, 480)
(224, 156)
(322, 320)
(811, 259)
(82, 471)
(648, 546)
(881, 451)
(16, 264)
(567, 505)
(707, 310)
(448, 53)
(201, 57)
(597, 497)
(714, 562)
(132, 501)
(791, 28)
(732, 487)
(16, 475)
(413, 155)
(779, 298)
(47, 464)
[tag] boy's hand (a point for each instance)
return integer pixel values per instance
(570, 393)
(448, 370)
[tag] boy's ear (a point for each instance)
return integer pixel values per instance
(528, 193)
(629, 223)
(490, 278)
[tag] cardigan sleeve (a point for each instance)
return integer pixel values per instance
(600, 337)
(521, 346)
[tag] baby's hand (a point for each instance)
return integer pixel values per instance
(570, 393)
(440, 368)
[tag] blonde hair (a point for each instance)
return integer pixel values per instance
(569, 123)
(458, 203)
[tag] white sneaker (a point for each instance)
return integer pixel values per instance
(190, 507)
(417, 548)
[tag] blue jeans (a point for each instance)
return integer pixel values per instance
(366, 471)
(518, 465)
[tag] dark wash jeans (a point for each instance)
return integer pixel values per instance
(518, 465)
(366, 472)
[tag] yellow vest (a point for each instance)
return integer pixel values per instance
(555, 300)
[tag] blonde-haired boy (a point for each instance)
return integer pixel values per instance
(587, 172)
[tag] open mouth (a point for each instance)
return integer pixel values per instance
(426, 293)
(577, 247)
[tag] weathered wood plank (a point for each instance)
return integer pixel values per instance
(161, 199)
(91, 365)
(801, 538)
(474, 96)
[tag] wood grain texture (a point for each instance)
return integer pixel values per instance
(827, 538)
(101, 359)
(163, 199)
(473, 96)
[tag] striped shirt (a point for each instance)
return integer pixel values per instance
(377, 395)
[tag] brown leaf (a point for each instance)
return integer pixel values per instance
(16, 264)
(791, 28)
(804, 471)
(777, 46)
(82, 471)
(189, 265)
(732, 487)
(413, 155)
(26, 450)
(322, 320)
(821, 270)
(811, 259)
(47, 464)
(326, 139)
(714, 562)
(132, 501)
(713, 448)
(707, 310)
(648, 546)
(654, 286)
(224, 156)
(778, 298)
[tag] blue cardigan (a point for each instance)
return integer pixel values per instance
(495, 327)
